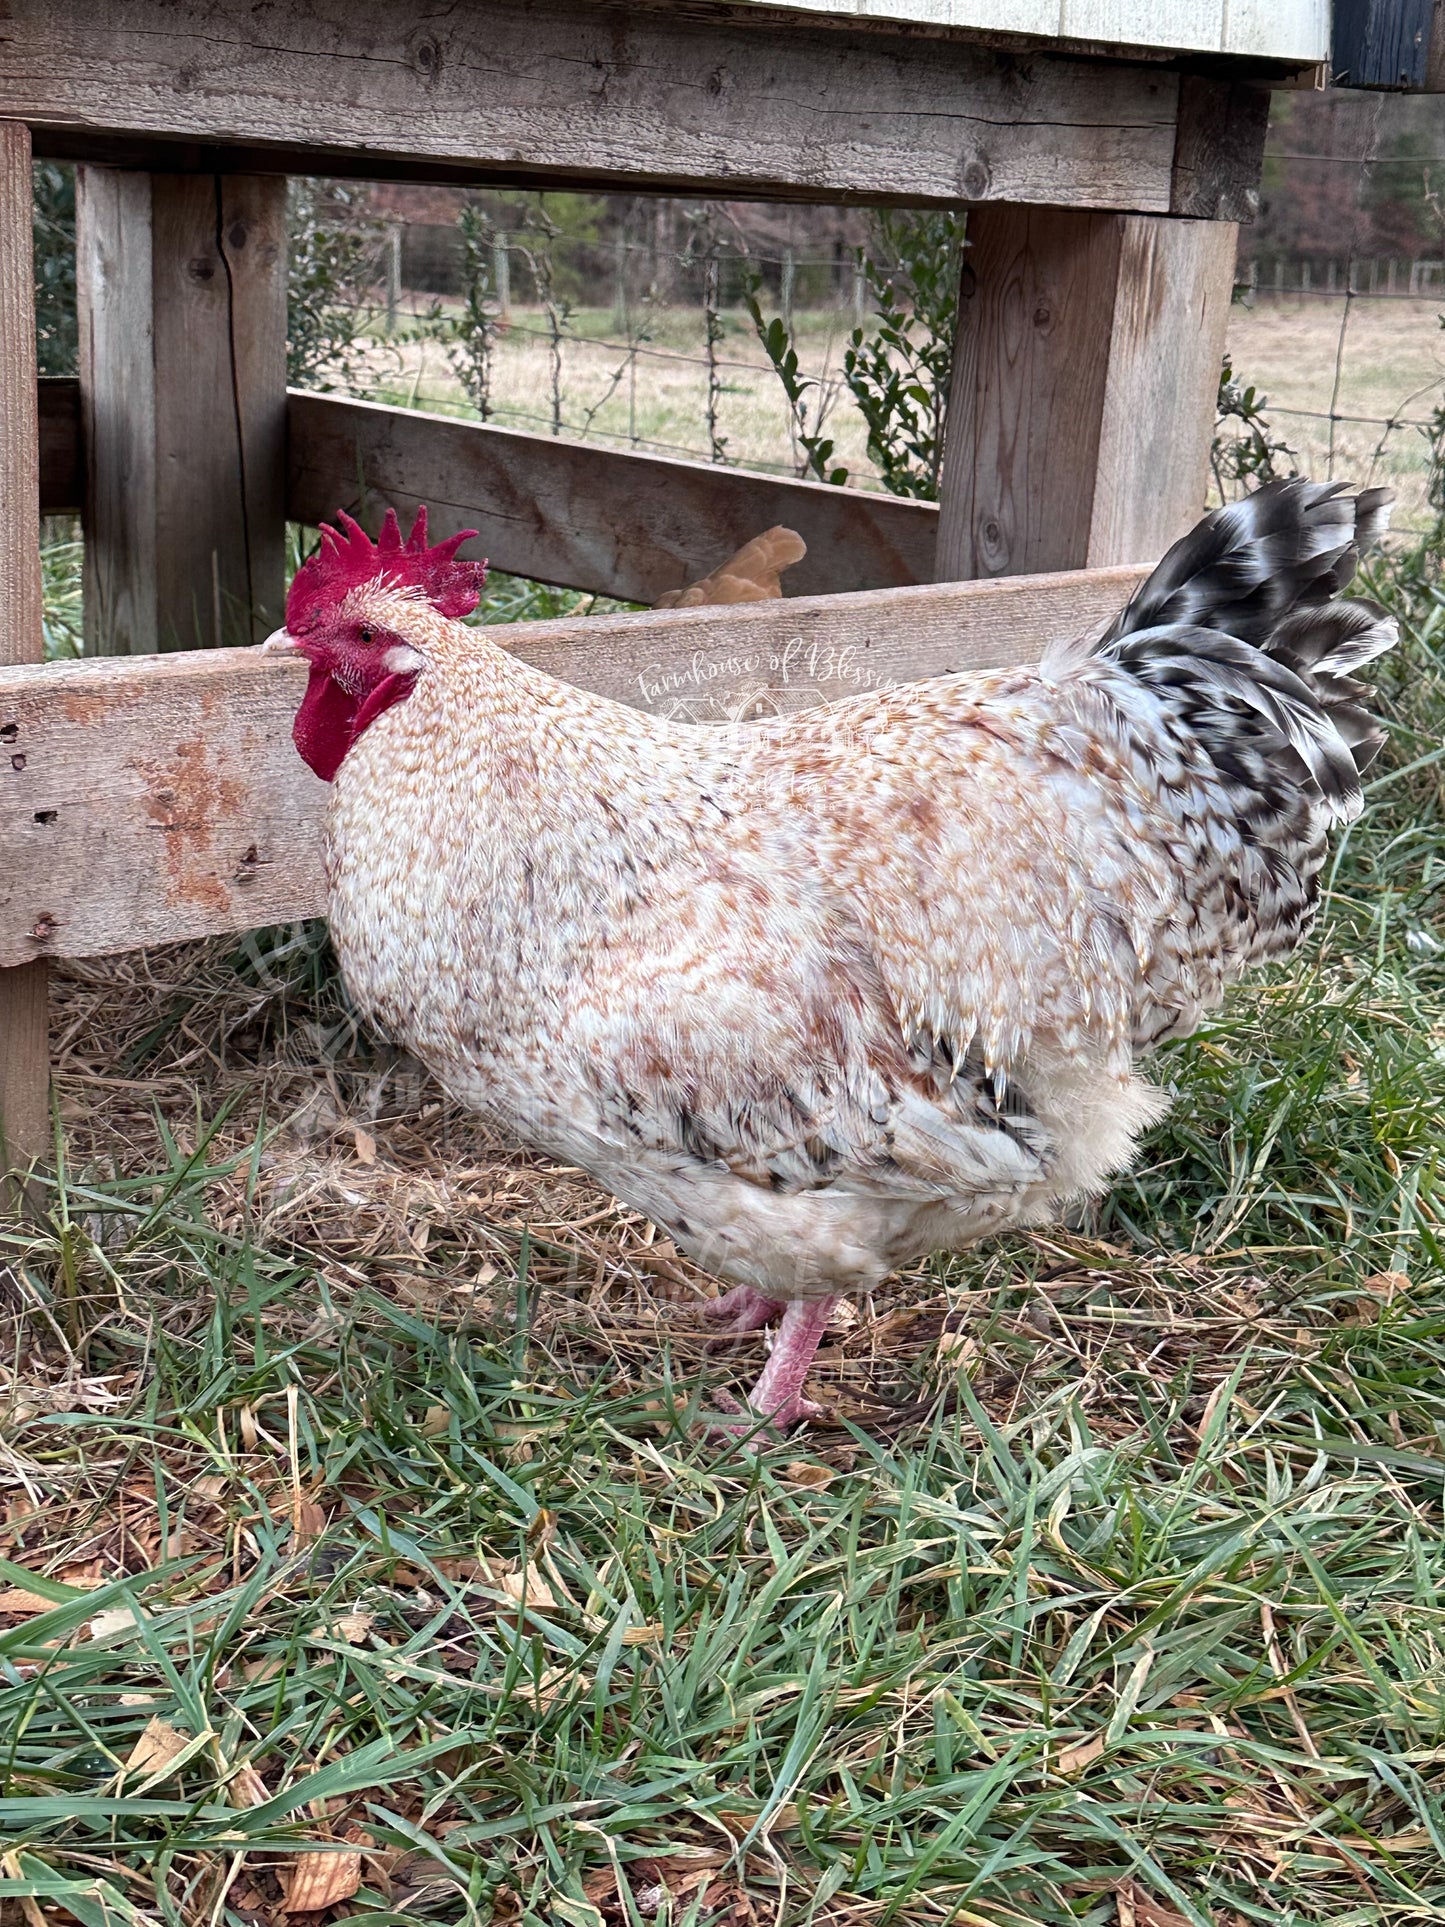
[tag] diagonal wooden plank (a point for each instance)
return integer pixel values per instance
(606, 520)
(161, 797)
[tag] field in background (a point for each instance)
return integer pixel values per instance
(652, 393)
(1378, 366)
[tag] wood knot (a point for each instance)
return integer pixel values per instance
(428, 58)
(201, 268)
(975, 178)
(17, 761)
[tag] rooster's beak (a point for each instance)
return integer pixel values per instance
(278, 643)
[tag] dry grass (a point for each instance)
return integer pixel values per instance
(1392, 360)
(650, 392)
(366, 1163)
(1393, 367)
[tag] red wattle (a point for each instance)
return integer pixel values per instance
(329, 721)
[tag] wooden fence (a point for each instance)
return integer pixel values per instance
(153, 798)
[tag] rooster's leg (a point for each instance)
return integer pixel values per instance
(743, 1310)
(778, 1394)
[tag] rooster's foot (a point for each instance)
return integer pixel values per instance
(740, 1311)
(778, 1395)
(749, 1428)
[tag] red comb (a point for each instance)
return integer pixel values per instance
(345, 562)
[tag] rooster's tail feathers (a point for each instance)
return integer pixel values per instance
(1291, 546)
(1236, 631)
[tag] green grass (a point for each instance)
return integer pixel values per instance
(1122, 1603)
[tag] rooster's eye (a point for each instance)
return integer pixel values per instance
(365, 633)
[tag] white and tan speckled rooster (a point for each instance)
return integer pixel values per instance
(825, 993)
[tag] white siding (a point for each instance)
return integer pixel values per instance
(1270, 29)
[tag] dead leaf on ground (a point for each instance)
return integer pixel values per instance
(1139, 1909)
(352, 1627)
(308, 1521)
(117, 1620)
(15, 1599)
(321, 1879)
(1073, 1759)
(545, 1692)
(804, 1472)
(153, 1752)
(246, 1788)
(365, 1146)
(675, 1876)
(782, 1820)
(528, 1588)
(958, 1349)
(1386, 1284)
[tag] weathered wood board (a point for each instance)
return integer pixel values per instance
(181, 282)
(659, 98)
(601, 519)
(149, 799)
(24, 1043)
(1083, 387)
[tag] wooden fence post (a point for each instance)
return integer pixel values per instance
(24, 1046)
(182, 296)
(1082, 404)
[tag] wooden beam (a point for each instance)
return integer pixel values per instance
(1434, 81)
(664, 98)
(1219, 148)
(24, 1043)
(605, 520)
(182, 292)
(1084, 383)
(601, 519)
(161, 798)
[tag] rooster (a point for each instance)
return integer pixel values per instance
(829, 992)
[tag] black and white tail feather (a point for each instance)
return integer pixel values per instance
(1241, 614)
(1249, 659)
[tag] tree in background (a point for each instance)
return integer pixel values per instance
(53, 224)
(898, 371)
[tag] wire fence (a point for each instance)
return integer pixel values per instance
(655, 342)
(780, 338)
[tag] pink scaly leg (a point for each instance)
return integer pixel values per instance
(778, 1394)
(743, 1310)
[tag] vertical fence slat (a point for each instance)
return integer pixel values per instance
(182, 296)
(24, 1044)
(1083, 391)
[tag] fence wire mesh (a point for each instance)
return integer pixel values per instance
(815, 341)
